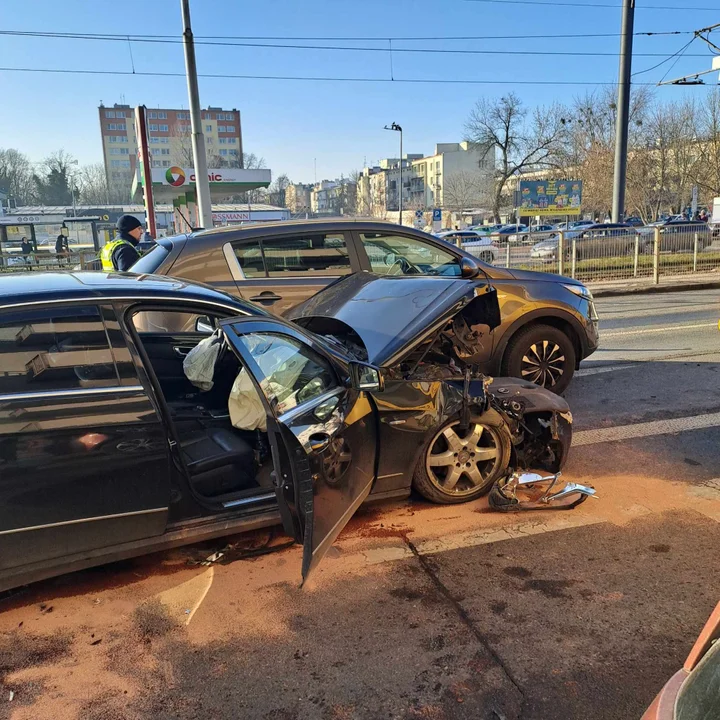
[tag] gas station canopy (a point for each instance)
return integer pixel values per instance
(172, 183)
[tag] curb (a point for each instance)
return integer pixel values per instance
(648, 289)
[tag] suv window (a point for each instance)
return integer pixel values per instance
(391, 254)
(290, 372)
(316, 254)
(151, 261)
(55, 349)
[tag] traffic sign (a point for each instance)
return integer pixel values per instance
(418, 213)
(437, 215)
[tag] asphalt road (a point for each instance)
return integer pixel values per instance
(422, 611)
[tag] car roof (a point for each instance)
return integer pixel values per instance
(39, 287)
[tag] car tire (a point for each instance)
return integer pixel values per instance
(486, 257)
(447, 471)
(550, 346)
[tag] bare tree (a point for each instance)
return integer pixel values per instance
(16, 176)
(462, 190)
(520, 140)
(276, 192)
(93, 185)
(54, 183)
(708, 144)
(251, 161)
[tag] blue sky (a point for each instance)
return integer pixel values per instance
(338, 125)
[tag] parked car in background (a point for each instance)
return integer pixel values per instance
(485, 229)
(533, 234)
(502, 234)
(574, 224)
(596, 240)
(110, 448)
(279, 265)
(480, 247)
(635, 221)
(677, 235)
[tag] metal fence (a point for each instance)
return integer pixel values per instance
(612, 254)
(47, 261)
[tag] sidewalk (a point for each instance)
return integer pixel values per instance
(668, 283)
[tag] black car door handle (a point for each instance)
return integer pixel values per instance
(181, 351)
(266, 297)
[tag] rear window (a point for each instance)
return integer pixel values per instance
(152, 260)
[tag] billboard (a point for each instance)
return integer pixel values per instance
(550, 197)
(177, 176)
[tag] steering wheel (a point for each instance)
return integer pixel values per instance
(404, 267)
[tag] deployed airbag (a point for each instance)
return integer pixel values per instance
(199, 363)
(246, 409)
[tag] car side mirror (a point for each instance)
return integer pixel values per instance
(366, 377)
(204, 325)
(468, 268)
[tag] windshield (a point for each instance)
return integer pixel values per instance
(151, 261)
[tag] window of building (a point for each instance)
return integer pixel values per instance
(55, 349)
(209, 141)
(165, 140)
(109, 113)
(164, 151)
(223, 152)
(222, 141)
(231, 141)
(153, 128)
(156, 163)
(221, 128)
(153, 140)
(233, 152)
(391, 254)
(229, 128)
(208, 128)
(166, 163)
(229, 116)
(119, 113)
(152, 116)
(162, 116)
(163, 128)
(119, 163)
(182, 116)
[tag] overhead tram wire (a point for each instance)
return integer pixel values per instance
(290, 78)
(562, 3)
(143, 38)
(384, 50)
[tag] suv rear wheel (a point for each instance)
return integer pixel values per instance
(542, 354)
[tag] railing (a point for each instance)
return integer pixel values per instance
(612, 254)
(48, 261)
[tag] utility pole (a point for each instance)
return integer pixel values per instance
(202, 182)
(623, 110)
(396, 128)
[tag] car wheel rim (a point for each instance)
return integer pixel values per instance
(458, 462)
(543, 363)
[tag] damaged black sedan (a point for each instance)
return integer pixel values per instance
(139, 413)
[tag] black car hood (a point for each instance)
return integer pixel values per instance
(393, 315)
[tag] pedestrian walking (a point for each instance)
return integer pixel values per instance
(62, 248)
(26, 248)
(122, 253)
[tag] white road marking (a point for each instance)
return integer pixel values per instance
(646, 330)
(584, 372)
(646, 429)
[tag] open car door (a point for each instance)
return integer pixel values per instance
(322, 432)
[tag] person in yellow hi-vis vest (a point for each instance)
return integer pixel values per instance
(122, 253)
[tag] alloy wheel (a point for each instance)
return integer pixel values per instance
(543, 363)
(458, 462)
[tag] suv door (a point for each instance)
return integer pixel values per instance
(282, 271)
(83, 454)
(322, 432)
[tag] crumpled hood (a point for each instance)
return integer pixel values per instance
(391, 315)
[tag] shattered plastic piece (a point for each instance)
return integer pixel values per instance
(530, 491)
(12, 695)
(212, 558)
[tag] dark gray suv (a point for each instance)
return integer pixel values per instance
(548, 325)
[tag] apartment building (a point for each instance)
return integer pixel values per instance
(169, 139)
(297, 197)
(456, 176)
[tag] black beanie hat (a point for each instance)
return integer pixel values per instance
(126, 223)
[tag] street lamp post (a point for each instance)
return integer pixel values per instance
(397, 128)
